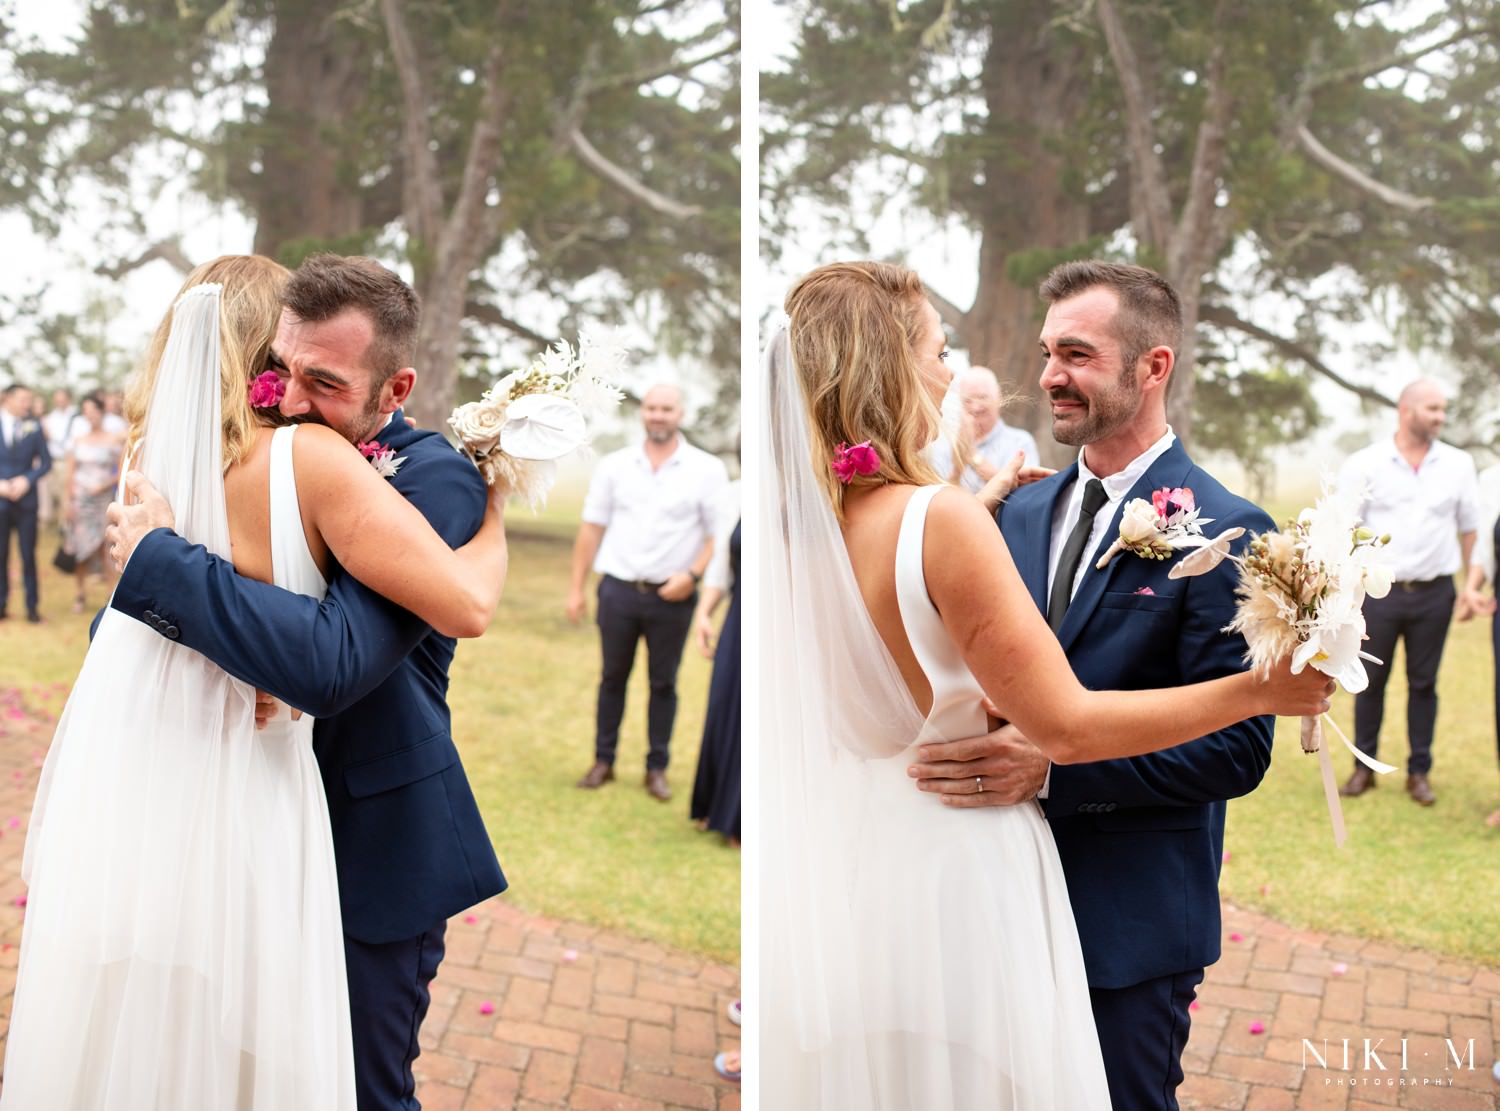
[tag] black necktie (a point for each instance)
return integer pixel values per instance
(1072, 553)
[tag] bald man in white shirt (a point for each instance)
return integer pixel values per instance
(1423, 494)
(648, 525)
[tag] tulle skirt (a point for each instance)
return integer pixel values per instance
(970, 981)
(182, 948)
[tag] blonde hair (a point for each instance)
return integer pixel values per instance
(249, 313)
(854, 330)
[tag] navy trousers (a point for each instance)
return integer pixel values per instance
(625, 616)
(21, 520)
(388, 998)
(1420, 618)
(1142, 1032)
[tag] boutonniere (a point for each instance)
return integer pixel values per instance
(1155, 529)
(381, 457)
(27, 428)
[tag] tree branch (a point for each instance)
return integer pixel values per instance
(1149, 179)
(168, 250)
(473, 221)
(1201, 224)
(488, 314)
(421, 182)
(1394, 60)
(1225, 317)
(590, 157)
(645, 76)
(1358, 178)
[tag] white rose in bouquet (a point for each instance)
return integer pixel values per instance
(478, 425)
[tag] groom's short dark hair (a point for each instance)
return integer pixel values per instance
(1150, 313)
(325, 285)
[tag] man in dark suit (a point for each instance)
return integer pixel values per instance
(409, 843)
(23, 460)
(1141, 839)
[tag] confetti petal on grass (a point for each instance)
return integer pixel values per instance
(1265, 887)
(1257, 1028)
(1236, 937)
(1340, 968)
(1226, 856)
(486, 1008)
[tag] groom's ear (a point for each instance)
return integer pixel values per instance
(397, 389)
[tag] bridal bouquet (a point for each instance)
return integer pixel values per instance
(524, 423)
(1302, 593)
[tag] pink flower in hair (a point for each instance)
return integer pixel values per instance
(859, 459)
(266, 390)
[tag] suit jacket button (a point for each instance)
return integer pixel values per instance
(149, 616)
(171, 631)
(161, 624)
(1110, 808)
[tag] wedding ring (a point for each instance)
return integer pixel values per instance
(978, 785)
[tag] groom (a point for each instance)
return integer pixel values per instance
(409, 844)
(1141, 839)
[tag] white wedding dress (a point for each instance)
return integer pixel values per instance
(973, 994)
(182, 948)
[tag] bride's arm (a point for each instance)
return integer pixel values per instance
(382, 540)
(1008, 647)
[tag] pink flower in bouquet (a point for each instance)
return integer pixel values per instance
(859, 459)
(1169, 501)
(266, 390)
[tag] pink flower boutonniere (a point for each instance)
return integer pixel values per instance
(859, 459)
(266, 390)
(381, 457)
(1158, 528)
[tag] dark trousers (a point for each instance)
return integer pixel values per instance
(388, 997)
(1419, 617)
(1142, 1032)
(625, 616)
(20, 519)
(1495, 644)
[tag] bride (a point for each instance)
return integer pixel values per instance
(183, 947)
(923, 957)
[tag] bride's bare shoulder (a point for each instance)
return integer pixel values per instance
(956, 514)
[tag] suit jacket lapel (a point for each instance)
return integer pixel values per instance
(1169, 469)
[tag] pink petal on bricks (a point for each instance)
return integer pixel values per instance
(470, 919)
(570, 954)
(20, 900)
(1236, 937)
(1340, 968)
(1193, 1006)
(1257, 1028)
(14, 823)
(486, 1008)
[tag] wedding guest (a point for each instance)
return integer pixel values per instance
(1421, 492)
(89, 482)
(985, 442)
(57, 424)
(1482, 573)
(648, 531)
(23, 461)
(114, 413)
(716, 787)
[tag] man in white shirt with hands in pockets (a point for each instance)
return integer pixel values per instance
(647, 530)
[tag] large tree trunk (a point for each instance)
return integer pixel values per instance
(1036, 87)
(315, 82)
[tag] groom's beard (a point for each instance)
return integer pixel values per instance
(1104, 413)
(363, 429)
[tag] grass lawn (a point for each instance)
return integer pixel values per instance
(1418, 876)
(523, 711)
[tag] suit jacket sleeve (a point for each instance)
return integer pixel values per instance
(43, 460)
(320, 656)
(1222, 765)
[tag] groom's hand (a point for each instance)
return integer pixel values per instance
(1001, 768)
(143, 510)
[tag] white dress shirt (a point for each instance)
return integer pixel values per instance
(58, 425)
(727, 511)
(998, 448)
(7, 428)
(1116, 486)
(1489, 513)
(655, 521)
(1423, 510)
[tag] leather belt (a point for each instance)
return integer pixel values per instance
(640, 586)
(1415, 585)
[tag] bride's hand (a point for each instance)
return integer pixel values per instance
(1296, 696)
(1009, 478)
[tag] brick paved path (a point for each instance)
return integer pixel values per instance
(1316, 986)
(577, 1017)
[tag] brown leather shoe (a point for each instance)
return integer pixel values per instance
(1420, 790)
(656, 785)
(597, 776)
(1361, 781)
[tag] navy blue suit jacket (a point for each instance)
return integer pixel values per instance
(410, 845)
(27, 456)
(1142, 839)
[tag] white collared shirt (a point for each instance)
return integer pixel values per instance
(655, 522)
(58, 425)
(997, 448)
(1489, 513)
(8, 426)
(1116, 486)
(1423, 510)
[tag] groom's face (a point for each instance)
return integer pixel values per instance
(1092, 393)
(327, 378)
